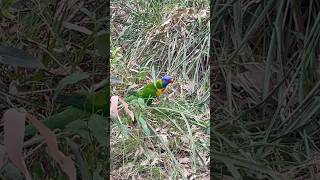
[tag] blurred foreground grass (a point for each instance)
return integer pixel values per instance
(266, 89)
(69, 37)
(150, 39)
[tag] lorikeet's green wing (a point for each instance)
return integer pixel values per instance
(59, 120)
(147, 93)
(96, 102)
(80, 106)
(132, 95)
(151, 91)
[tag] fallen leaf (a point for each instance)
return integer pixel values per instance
(70, 79)
(14, 123)
(114, 105)
(65, 162)
(184, 160)
(98, 126)
(13, 88)
(126, 108)
(19, 58)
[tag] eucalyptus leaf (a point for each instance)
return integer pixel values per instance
(98, 127)
(144, 126)
(19, 58)
(102, 41)
(71, 79)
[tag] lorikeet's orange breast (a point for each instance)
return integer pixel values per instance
(159, 92)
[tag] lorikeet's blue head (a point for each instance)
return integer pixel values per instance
(166, 80)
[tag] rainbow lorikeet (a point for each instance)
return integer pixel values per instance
(151, 90)
(97, 101)
(90, 102)
(81, 106)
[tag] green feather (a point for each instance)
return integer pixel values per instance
(91, 102)
(148, 92)
(81, 106)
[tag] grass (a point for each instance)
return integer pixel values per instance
(265, 61)
(68, 38)
(170, 139)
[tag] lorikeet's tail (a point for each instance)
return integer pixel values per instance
(133, 93)
(79, 101)
(131, 96)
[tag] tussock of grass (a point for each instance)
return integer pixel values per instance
(265, 61)
(172, 139)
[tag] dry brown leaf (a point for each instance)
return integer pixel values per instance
(13, 88)
(114, 105)
(126, 108)
(14, 123)
(65, 162)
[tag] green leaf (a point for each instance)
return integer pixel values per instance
(102, 41)
(141, 103)
(76, 125)
(98, 127)
(144, 126)
(123, 128)
(79, 127)
(71, 79)
(60, 120)
(19, 58)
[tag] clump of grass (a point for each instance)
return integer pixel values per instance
(172, 134)
(265, 60)
(62, 34)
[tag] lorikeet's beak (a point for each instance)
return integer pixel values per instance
(171, 81)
